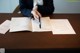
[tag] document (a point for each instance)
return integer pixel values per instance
(4, 27)
(20, 24)
(45, 25)
(61, 26)
(27, 24)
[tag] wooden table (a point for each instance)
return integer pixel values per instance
(41, 40)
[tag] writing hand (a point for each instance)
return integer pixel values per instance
(36, 14)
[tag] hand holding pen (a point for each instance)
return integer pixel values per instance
(37, 15)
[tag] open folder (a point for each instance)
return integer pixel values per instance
(27, 24)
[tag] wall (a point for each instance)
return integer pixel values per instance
(8, 6)
(67, 6)
(4, 6)
(61, 6)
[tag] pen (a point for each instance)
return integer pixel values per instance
(40, 22)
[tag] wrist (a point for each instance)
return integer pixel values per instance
(35, 8)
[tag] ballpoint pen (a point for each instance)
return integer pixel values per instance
(39, 22)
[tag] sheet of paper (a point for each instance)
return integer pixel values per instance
(20, 24)
(2, 50)
(45, 25)
(61, 26)
(4, 27)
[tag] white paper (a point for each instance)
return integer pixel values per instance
(45, 25)
(4, 27)
(2, 50)
(61, 26)
(20, 24)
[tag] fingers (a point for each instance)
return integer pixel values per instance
(36, 14)
(39, 14)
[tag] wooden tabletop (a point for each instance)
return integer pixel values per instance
(41, 40)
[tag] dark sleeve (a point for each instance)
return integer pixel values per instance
(47, 8)
(24, 10)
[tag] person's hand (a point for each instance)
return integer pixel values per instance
(35, 13)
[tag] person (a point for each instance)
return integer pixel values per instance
(37, 8)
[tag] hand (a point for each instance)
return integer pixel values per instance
(35, 13)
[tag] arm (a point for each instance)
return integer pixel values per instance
(24, 10)
(47, 8)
